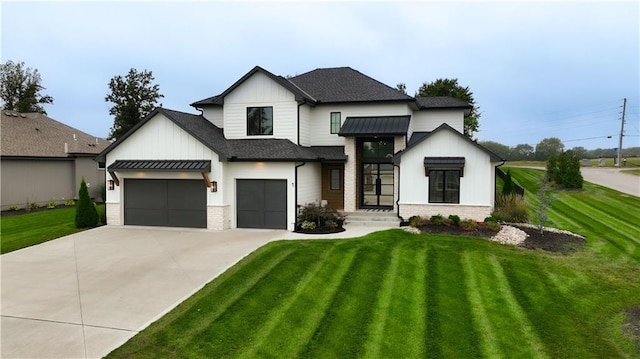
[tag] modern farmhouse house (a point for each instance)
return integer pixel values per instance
(268, 144)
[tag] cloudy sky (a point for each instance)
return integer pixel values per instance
(536, 69)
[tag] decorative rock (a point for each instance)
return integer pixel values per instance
(510, 235)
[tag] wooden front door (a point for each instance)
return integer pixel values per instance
(333, 184)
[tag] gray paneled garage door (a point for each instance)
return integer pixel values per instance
(262, 203)
(171, 203)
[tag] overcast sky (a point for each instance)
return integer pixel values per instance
(536, 69)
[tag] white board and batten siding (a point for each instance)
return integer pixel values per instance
(261, 91)
(320, 119)
(260, 170)
(427, 121)
(309, 183)
(161, 139)
(476, 186)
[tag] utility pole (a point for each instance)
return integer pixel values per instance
(624, 108)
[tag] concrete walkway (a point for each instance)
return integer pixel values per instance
(83, 295)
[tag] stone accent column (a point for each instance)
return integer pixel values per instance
(218, 217)
(350, 175)
(114, 217)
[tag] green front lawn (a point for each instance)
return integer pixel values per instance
(29, 229)
(393, 294)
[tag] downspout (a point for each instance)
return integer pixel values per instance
(295, 224)
(398, 200)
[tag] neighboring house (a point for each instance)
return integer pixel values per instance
(43, 160)
(269, 144)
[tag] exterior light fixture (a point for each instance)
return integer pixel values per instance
(214, 186)
(111, 185)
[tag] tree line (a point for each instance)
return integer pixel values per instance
(549, 147)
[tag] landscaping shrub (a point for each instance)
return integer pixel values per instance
(455, 219)
(69, 203)
(51, 204)
(86, 213)
(13, 208)
(439, 220)
(490, 219)
(564, 169)
(493, 226)
(317, 214)
(544, 198)
(417, 221)
(308, 225)
(469, 225)
(511, 208)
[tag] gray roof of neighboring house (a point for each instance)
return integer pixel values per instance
(375, 125)
(36, 135)
(270, 149)
(418, 137)
(344, 84)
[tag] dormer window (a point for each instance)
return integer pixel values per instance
(259, 121)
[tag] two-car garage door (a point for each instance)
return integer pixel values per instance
(162, 202)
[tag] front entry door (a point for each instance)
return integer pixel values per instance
(377, 185)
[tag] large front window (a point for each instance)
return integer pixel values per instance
(259, 121)
(444, 186)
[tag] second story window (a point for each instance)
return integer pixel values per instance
(259, 121)
(335, 122)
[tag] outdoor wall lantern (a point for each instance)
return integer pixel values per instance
(111, 185)
(214, 186)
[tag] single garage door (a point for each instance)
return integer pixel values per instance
(170, 203)
(262, 203)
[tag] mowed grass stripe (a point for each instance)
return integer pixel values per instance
(531, 339)
(343, 331)
(278, 314)
(405, 325)
(300, 323)
(488, 339)
(240, 323)
(381, 309)
(627, 228)
(457, 338)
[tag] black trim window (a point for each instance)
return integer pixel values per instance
(335, 122)
(335, 179)
(101, 165)
(444, 186)
(259, 121)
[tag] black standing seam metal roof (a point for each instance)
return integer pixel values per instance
(161, 165)
(375, 125)
(443, 161)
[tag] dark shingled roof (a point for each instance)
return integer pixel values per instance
(425, 103)
(378, 125)
(344, 84)
(164, 165)
(329, 153)
(36, 135)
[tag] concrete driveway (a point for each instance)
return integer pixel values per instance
(83, 295)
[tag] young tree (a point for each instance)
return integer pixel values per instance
(20, 88)
(134, 97)
(402, 87)
(509, 187)
(545, 199)
(86, 213)
(450, 87)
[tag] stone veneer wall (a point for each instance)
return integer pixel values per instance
(218, 217)
(478, 213)
(113, 214)
(350, 175)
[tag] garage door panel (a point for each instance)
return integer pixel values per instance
(261, 203)
(162, 202)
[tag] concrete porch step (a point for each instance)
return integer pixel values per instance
(377, 218)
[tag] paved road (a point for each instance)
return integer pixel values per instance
(83, 295)
(612, 178)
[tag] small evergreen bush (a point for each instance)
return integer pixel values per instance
(509, 186)
(490, 219)
(455, 219)
(493, 226)
(469, 225)
(437, 220)
(86, 213)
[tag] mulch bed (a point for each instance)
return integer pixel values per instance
(548, 241)
(320, 230)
